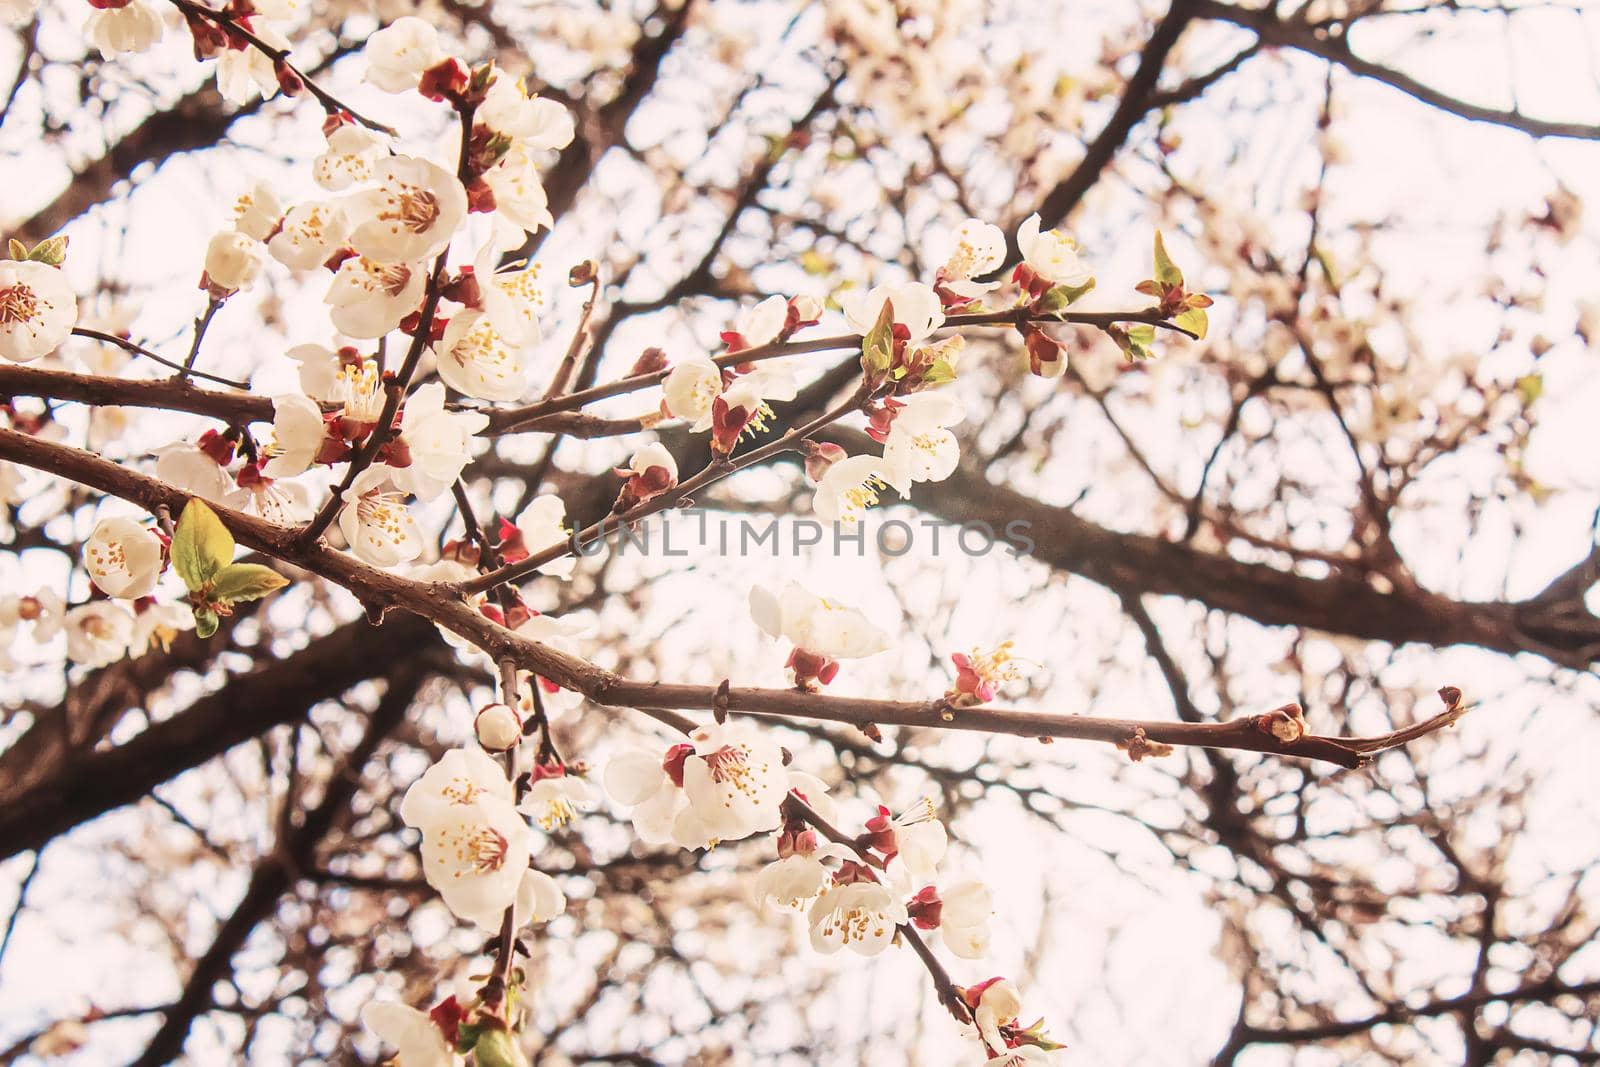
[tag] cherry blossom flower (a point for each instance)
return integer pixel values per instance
(475, 846)
(861, 916)
(278, 501)
(980, 248)
(439, 443)
(476, 359)
(37, 310)
(758, 325)
(311, 233)
(964, 918)
(320, 369)
(916, 308)
(197, 468)
(258, 212)
(498, 727)
(822, 631)
(1051, 255)
(398, 54)
(370, 298)
(129, 26)
(994, 1004)
(123, 558)
(97, 633)
(791, 883)
(519, 194)
(44, 611)
(919, 448)
(651, 472)
(534, 122)
(553, 800)
(411, 215)
(848, 488)
(244, 72)
(418, 1041)
(376, 522)
(233, 262)
(915, 840)
(158, 625)
(298, 436)
(979, 674)
(513, 299)
(642, 781)
(353, 151)
(690, 388)
(541, 525)
(735, 782)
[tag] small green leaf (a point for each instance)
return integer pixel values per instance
(497, 1048)
(1135, 341)
(52, 250)
(205, 622)
(201, 545)
(1166, 271)
(877, 347)
(17, 249)
(238, 582)
(940, 373)
(1194, 320)
(1063, 296)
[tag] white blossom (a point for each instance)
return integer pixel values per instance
(690, 388)
(475, 845)
(191, 469)
(849, 488)
(123, 558)
(651, 456)
(233, 261)
(735, 783)
(535, 122)
(411, 214)
(258, 212)
(555, 801)
(476, 359)
(417, 1041)
(370, 298)
(980, 248)
(44, 611)
(438, 441)
(159, 624)
(916, 307)
(1051, 255)
(281, 502)
(312, 232)
(964, 918)
(98, 633)
(134, 27)
(542, 525)
(37, 310)
(244, 72)
(762, 323)
(398, 54)
(376, 522)
(860, 916)
(638, 780)
(519, 194)
(815, 623)
(353, 151)
(998, 1006)
(919, 448)
(298, 432)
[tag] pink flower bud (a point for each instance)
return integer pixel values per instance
(820, 455)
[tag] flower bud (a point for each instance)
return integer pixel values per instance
(498, 1048)
(820, 455)
(233, 262)
(498, 727)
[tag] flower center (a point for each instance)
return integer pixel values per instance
(385, 511)
(413, 208)
(18, 304)
(107, 557)
(557, 812)
(482, 851)
(854, 924)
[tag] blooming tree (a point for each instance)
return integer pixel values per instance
(342, 485)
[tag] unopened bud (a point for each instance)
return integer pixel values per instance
(820, 455)
(498, 1048)
(583, 274)
(498, 727)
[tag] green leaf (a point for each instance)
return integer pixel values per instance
(205, 622)
(52, 250)
(940, 373)
(1063, 296)
(17, 249)
(238, 582)
(1194, 320)
(1135, 341)
(877, 347)
(1166, 271)
(201, 545)
(497, 1048)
